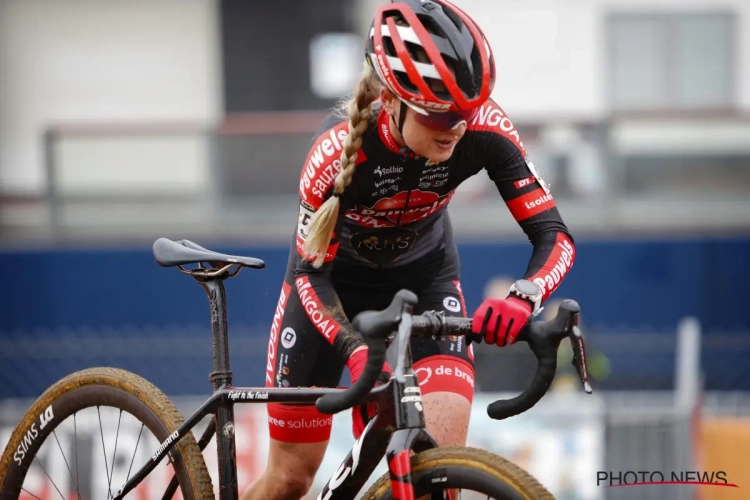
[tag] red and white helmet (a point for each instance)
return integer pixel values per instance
(405, 33)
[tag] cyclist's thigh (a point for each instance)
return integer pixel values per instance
(444, 365)
(445, 368)
(298, 356)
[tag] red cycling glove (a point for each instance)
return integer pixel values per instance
(500, 320)
(362, 414)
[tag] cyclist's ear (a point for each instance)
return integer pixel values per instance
(389, 100)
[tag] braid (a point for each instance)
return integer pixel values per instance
(324, 220)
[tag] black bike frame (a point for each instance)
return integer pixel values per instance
(397, 428)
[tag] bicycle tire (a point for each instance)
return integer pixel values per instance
(441, 469)
(109, 387)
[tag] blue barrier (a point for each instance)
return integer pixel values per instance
(633, 285)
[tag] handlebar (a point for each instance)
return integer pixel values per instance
(375, 327)
(543, 337)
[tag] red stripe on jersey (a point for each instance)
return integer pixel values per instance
(278, 316)
(330, 252)
(457, 284)
(323, 164)
(556, 267)
(315, 309)
(465, 313)
(491, 118)
(530, 204)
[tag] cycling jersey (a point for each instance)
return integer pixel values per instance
(393, 214)
(393, 231)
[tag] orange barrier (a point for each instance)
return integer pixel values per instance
(725, 446)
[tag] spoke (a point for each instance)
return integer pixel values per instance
(48, 477)
(171, 488)
(135, 452)
(114, 455)
(75, 440)
(30, 493)
(106, 466)
(54, 433)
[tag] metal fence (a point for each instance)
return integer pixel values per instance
(566, 440)
(624, 173)
(178, 359)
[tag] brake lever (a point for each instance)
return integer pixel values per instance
(539, 341)
(402, 340)
(579, 355)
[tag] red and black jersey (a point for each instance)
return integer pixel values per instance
(393, 215)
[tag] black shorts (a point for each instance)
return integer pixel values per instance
(302, 357)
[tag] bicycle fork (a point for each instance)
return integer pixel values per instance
(399, 467)
(399, 453)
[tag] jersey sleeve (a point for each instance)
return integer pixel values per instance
(527, 197)
(321, 166)
(313, 285)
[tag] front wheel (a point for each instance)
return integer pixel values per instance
(468, 470)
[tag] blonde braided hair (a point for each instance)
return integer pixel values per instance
(359, 109)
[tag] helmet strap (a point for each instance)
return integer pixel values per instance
(405, 153)
(402, 118)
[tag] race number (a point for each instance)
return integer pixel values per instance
(536, 175)
(303, 220)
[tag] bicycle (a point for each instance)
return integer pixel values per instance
(397, 431)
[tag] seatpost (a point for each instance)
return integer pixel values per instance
(217, 298)
(222, 377)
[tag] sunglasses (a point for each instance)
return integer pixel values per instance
(445, 120)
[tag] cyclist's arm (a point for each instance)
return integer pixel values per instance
(316, 292)
(314, 287)
(529, 200)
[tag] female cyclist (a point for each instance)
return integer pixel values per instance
(372, 220)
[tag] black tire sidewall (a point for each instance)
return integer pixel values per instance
(459, 477)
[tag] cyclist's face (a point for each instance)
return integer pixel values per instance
(435, 141)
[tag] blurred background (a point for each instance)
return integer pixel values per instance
(124, 121)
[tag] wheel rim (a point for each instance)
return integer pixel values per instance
(86, 444)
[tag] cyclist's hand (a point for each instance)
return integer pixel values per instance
(362, 414)
(500, 320)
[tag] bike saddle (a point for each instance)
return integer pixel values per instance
(170, 253)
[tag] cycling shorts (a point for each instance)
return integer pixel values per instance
(302, 357)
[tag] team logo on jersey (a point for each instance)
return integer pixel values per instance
(288, 338)
(383, 246)
(432, 163)
(381, 171)
(420, 205)
(452, 304)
